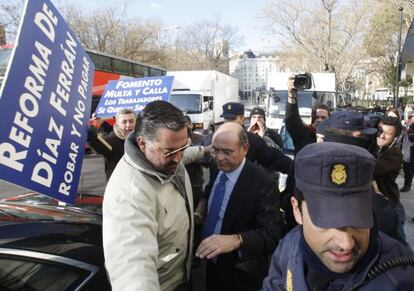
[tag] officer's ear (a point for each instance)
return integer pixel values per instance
(240, 119)
(296, 210)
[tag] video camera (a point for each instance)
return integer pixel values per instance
(303, 81)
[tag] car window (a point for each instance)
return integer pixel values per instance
(20, 274)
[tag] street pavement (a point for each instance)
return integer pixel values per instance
(407, 200)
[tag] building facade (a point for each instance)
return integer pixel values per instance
(252, 71)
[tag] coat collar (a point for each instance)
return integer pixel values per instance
(136, 158)
(296, 268)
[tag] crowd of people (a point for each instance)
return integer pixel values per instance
(338, 224)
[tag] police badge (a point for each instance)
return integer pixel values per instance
(338, 174)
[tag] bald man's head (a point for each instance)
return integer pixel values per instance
(233, 130)
(230, 146)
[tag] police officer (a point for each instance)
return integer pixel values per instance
(268, 157)
(337, 245)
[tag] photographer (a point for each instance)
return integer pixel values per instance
(301, 133)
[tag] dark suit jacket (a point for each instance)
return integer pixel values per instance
(267, 156)
(253, 212)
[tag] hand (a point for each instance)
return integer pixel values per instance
(291, 87)
(262, 130)
(253, 127)
(217, 244)
(95, 121)
(256, 128)
(207, 150)
(200, 212)
(198, 218)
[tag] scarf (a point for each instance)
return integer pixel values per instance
(121, 134)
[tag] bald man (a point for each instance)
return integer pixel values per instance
(243, 223)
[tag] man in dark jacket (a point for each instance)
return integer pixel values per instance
(389, 157)
(112, 146)
(258, 126)
(389, 160)
(269, 135)
(337, 245)
(302, 133)
(243, 221)
(408, 152)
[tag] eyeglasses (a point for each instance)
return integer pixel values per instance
(173, 152)
(226, 152)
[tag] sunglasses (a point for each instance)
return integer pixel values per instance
(173, 152)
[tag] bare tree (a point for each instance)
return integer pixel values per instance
(381, 39)
(329, 6)
(328, 31)
(209, 41)
(203, 45)
(10, 14)
(108, 30)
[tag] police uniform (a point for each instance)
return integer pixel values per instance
(335, 180)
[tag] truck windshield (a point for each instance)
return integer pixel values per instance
(277, 103)
(190, 103)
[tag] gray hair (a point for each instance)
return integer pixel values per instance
(124, 111)
(157, 115)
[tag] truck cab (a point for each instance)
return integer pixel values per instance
(201, 95)
(196, 104)
(276, 112)
(323, 92)
(276, 104)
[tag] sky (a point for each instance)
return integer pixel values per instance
(240, 14)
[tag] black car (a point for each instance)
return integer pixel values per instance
(50, 248)
(91, 202)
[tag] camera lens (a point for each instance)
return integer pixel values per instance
(302, 81)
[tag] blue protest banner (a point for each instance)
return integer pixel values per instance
(133, 93)
(45, 105)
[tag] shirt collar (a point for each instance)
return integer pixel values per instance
(234, 175)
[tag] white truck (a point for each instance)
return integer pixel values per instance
(323, 91)
(201, 95)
